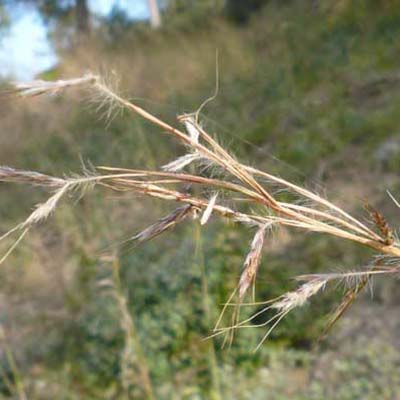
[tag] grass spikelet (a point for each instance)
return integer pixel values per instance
(43, 210)
(347, 301)
(181, 162)
(209, 209)
(283, 305)
(41, 213)
(300, 296)
(190, 126)
(163, 224)
(252, 262)
(290, 301)
(357, 286)
(39, 87)
(381, 224)
(8, 174)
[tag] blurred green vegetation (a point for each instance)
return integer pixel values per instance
(308, 90)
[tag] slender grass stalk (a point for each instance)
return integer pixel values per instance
(17, 385)
(132, 343)
(212, 358)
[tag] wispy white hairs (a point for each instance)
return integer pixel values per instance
(209, 209)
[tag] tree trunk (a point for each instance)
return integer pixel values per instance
(82, 17)
(155, 16)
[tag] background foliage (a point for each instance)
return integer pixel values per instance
(308, 90)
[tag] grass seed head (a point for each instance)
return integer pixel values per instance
(252, 262)
(39, 87)
(163, 224)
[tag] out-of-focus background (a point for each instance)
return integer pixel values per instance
(308, 89)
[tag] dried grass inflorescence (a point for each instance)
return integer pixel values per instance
(381, 224)
(252, 261)
(8, 174)
(163, 224)
(309, 212)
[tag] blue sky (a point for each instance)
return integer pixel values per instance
(25, 49)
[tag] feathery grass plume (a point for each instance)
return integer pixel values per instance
(252, 262)
(292, 300)
(41, 213)
(300, 296)
(308, 211)
(314, 283)
(283, 305)
(43, 210)
(105, 105)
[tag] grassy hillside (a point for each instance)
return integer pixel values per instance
(307, 90)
